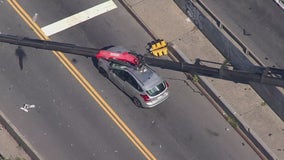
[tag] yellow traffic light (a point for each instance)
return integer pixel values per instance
(160, 52)
(159, 48)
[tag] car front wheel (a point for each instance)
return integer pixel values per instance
(103, 72)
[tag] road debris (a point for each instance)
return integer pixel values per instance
(26, 107)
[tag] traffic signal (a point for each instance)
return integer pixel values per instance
(158, 48)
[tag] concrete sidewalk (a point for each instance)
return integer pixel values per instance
(165, 20)
(9, 148)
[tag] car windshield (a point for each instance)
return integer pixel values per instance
(157, 89)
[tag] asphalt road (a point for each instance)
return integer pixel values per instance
(68, 124)
(258, 23)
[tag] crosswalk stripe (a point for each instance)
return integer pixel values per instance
(78, 18)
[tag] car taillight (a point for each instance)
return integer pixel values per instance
(167, 84)
(145, 97)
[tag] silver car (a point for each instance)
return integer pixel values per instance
(143, 85)
(280, 3)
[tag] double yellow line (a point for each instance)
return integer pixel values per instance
(71, 68)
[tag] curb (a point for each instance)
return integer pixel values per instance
(15, 133)
(225, 109)
(139, 21)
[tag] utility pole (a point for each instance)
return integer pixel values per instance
(263, 75)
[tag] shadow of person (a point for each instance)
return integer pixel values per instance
(21, 55)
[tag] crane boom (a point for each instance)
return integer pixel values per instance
(264, 75)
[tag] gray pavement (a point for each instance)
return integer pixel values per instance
(166, 21)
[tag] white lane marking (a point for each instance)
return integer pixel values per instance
(78, 18)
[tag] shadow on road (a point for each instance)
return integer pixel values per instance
(21, 55)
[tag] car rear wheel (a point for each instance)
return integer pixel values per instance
(137, 102)
(103, 72)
